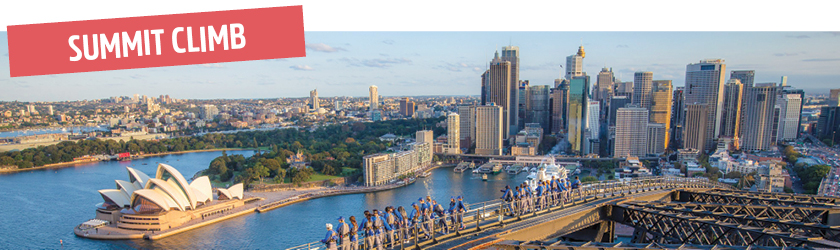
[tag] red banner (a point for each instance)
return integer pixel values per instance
(154, 41)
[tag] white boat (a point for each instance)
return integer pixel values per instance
(545, 171)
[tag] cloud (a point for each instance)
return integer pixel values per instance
(799, 36)
(136, 76)
(834, 33)
(375, 63)
(323, 48)
(388, 42)
(821, 60)
(622, 46)
(6, 55)
(458, 67)
(789, 54)
(302, 67)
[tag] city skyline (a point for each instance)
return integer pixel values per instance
(446, 63)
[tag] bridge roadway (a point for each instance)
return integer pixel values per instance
(486, 221)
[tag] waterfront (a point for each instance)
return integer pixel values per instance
(62, 198)
(42, 131)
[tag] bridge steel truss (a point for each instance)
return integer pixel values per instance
(712, 224)
(719, 196)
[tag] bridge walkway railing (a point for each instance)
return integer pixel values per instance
(494, 212)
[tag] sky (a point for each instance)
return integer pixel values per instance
(447, 63)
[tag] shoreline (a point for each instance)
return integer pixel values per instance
(68, 164)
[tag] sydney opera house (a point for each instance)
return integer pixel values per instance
(163, 202)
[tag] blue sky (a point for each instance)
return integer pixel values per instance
(447, 63)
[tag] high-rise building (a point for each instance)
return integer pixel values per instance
(616, 102)
(592, 131)
(574, 64)
(746, 77)
(209, 111)
(757, 117)
(623, 89)
(801, 95)
(511, 54)
(499, 91)
(453, 133)
(313, 98)
(694, 133)
(828, 124)
(656, 138)
(522, 102)
(50, 110)
(578, 100)
(642, 84)
(677, 117)
(704, 85)
(631, 131)
(783, 82)
(467, 130)
(485, 83)
(488, 129)
(604, 86)
(834, 97)
(539, 106)
(731, 117)
(559, 103)
(406, 107)
(660, 110)
(789, 113)
(374, 97)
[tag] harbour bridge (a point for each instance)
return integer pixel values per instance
(664, 213)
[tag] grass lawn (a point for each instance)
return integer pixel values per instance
(346, 171)
(321, 177)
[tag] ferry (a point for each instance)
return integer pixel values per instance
(545, 171)
(484, 177)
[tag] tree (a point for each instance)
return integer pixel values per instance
(260, 171)
(589, 178)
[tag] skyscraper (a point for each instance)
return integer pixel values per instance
(828, 124)
(313, 98)
(559, 101)
(704, 85)
(642, 84)
(406, 107)
(467, 130)
(604, 88)
(660, 109)
(539, 106)
(374, 97)
(522, 102)
(623, 89)
(499, 91)
(488, 129)
(801, 95)
(757, 118)
(574, 64)
(578, 100)
(616, 102)
(677, 117)
(834, 97)
(731, 117)
(694, 133)
(511, 54)
(453, 133)
(747, 77)
(790, 106)
(631, 131)
(593, 129)
(656, 141)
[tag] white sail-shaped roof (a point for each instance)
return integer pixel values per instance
(117, 196)
(202, 189)
(165, 172)
(158, 197)
(126, 187)
(173, 192)
(234, 191)
(136, 176)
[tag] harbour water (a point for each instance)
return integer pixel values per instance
(41, 207)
